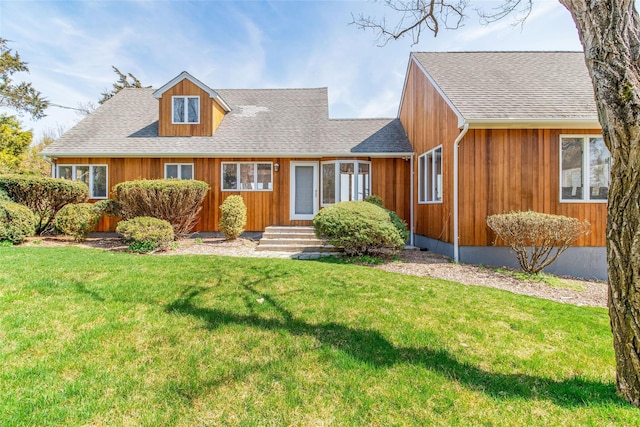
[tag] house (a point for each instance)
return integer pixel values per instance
(499, 131)
(477, 133)
(277, 148)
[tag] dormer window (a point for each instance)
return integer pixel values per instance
(186, 109)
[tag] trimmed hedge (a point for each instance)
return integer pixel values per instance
(17, 222)
(146, 234)
(398, 222)
(43, 195)
(77, 220)
(233, 217)
(174, 200)
(536, 238)
(359, 228)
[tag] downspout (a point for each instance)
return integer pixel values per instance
(456, 146)
(411, 186)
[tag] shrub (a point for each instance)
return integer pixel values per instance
(44, 196)
(109, 207)
(17, 222)
(359, 227)
(3, 196)
(77, 220)
(233, 217)
(173, 200)
(398, 222)
(536, 238)
(146, 234)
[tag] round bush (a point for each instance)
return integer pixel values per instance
(141, 229)
(177, 201)
(359, 227)
(17, 222)
(233, 217)
(398, 222)
(77, 220)
(43, 195)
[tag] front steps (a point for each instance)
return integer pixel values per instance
(293, 239)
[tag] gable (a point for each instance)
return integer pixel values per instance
(514, 89)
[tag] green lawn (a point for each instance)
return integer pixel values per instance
(98, 338)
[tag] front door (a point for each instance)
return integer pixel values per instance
(304, 190)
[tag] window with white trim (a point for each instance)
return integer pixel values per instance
(344, 180)
(178, 170)
(430, 176)
(585, 165)
(95, 176)
(186, 109)
(247, 176)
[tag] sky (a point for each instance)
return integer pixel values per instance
(70, 47)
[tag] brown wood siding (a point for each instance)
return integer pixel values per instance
(210, 112)
(264, 208)
(503, 170)
(500, 170)
(430, 122)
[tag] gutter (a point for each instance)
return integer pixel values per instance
(456, 146)
(237, 155)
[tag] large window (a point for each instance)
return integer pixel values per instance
(95, 176)
(247, 176)
(344, 180)
(186, 109)
(430, 176)
(178, 170)
(585, 164)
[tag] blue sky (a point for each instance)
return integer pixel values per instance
(71, 46)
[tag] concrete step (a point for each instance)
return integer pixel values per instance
(296, 248)
(292, 242)
(304, 235)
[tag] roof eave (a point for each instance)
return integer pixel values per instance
(227, 155)
(537, 123)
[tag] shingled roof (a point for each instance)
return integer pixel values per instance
(262, 122)
(512, 87)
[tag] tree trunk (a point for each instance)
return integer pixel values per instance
(609, 33)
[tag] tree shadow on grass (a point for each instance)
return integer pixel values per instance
(371, 347)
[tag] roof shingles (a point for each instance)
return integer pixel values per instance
(267, 122)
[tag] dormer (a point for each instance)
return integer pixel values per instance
(188, 107)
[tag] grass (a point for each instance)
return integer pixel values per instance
(99, 338)
(544, 278)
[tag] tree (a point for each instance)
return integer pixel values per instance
(32, 162)
(22, 97)
(14, 142)
(123, 81)
(610, 36)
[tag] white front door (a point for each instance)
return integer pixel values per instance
(304, 190)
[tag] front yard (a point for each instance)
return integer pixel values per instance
(89, 337)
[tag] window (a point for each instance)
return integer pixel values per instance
(430, 176)
(186, 109)
(344, 180)
(585, 164)
(247, 176)
(178, 170)
(95, 176)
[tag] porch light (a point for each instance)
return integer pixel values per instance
(276, 166)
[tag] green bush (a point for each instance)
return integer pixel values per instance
(360, 228)
(398, 222)
(108, 207)
(138, 232)
(77, 220)
(174, 200)
(233, 217)
(3, 196)
(44, 196)
(536, 238)
(17, 222)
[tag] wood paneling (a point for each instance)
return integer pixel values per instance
(390, 180)
(430, 122)
(503, 170)
(211, 113)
